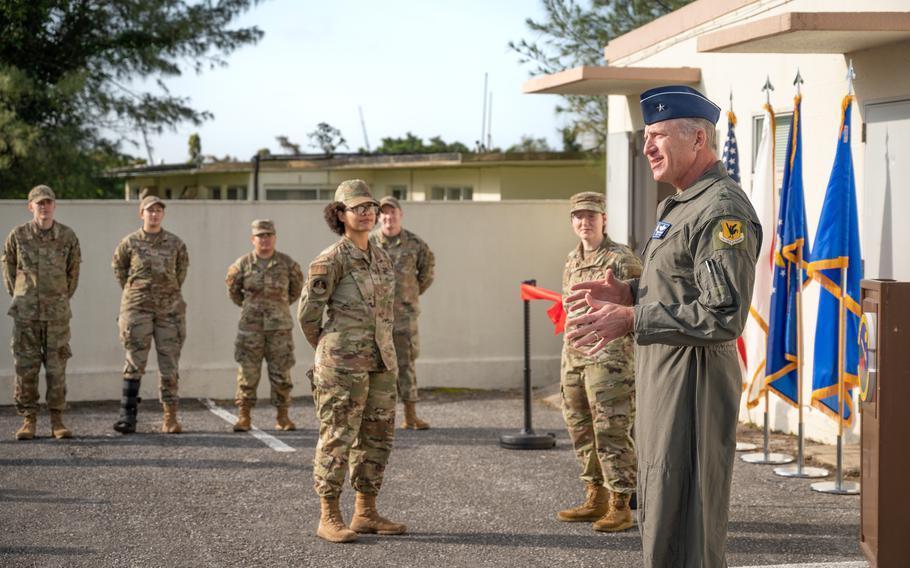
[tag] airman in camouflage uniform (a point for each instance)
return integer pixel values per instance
(352, 284)
(414, 262)
(41, 271)
(598, 391)
(264, 283)
(150, 265)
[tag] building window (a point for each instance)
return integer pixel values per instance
(399, 192)
(236, 192)
(441, 193)
(308, 194)
(214, 192)
(782, 123)
(168, 194)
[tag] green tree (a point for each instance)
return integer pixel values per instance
(574, 33)
(73, 76)
(327, 138)
(413, 144)
(195, 148)
(287, 145)
(530, 144)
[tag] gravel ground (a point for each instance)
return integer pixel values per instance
(210, 497)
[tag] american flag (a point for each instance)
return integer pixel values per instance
(731, 153)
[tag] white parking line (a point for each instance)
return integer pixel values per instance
(267, 439)
(859, 564)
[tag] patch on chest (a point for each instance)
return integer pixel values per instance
(660, 230)
(731, 232)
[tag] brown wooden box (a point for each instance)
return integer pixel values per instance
(885, 428)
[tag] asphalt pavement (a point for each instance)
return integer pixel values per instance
(212, 497)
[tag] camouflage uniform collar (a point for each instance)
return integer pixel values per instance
(53, 232)
(355, 252)
(605, 244)
(160, 235)
(269, 262)
(711, 176)
(400, 238)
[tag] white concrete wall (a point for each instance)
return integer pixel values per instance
(471, 327)
(880, 76)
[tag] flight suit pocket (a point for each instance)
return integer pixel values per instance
(712, 281)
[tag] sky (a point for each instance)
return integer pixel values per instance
(411, 65)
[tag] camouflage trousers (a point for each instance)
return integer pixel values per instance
(35, 343)
(407, 348)
(356, 412)
(599, 409)
(137, 329)
(277, 348)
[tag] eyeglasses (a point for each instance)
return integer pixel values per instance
(363, 209)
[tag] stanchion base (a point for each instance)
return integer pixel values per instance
(801, 472)
(745, 447)
(830, 487)
(527, 441)
(771, 458)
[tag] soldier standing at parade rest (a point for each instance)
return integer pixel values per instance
(686, 312)
(413, 262)
(598, 391)
(150, 265)
(264, 283)
(41, 271)
(352, 283)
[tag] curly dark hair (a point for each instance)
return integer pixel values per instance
(331, 216)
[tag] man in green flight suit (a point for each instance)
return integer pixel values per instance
(686, 311)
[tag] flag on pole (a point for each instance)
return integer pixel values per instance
(762, 193)
(837, 249)
(731, 152)
(792, 245)
(555, 312)
(731, 163)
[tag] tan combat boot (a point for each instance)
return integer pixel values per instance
(57, 428)
(170, 424)
(619, 517)
(411, 422)
(282, 421)
(367, 520)
(595, 506)
(243, 423)
(27, 430)
(331, 525)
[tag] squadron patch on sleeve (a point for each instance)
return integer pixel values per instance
(319, 285)
(731, 232)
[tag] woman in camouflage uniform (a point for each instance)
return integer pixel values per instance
(598, 391)
(150, 265)
(352, 283)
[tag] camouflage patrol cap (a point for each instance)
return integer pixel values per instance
(150, 200)
(389, 200)
(588, 201)
(354, 192)
(263, 227)
(40, 192)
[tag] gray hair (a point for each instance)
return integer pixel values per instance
(688, 126)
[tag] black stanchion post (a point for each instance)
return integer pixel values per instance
(527, 439)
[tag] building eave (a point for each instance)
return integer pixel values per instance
(591, 80)
(810, 32)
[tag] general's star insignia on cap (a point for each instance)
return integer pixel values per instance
(660, 108)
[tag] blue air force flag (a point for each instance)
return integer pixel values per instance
(791, 252)
(837, 250)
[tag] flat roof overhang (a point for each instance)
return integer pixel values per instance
(590, 80)
(810, 32)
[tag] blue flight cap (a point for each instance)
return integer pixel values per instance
(676, 101)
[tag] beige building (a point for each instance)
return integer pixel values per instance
(732, 46)
(417, 177)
